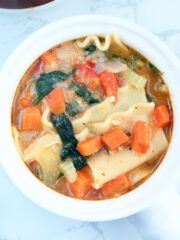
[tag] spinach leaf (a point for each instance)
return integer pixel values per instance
(64, 129)
(84, 93)
(150, 98)
(90, 49)
(129, 62)
(48, 81)
(73, 108)
(154, 69)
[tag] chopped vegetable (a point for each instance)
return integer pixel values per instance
(55, 100)
(65, 130)
(109, 83)
(36, 169)
(115, 186)
(49, 57)
(73, 108)
(161, 116)
(154, 69)
(90, 49)
(84, 93)
(90, 146)
(129, 62)
(140, 137)
(134, 79)
(48, 81)
(68, 169)
(115, 138)
(82, 184)
(150, 98)
(90, 63)
(26, 101)
(31, 119)
(139, 173)
(87, 76)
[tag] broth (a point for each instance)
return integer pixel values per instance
(108, 116)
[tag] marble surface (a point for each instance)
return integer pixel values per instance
(20, 219)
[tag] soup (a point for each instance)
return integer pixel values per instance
(18, 4)
(92, 118)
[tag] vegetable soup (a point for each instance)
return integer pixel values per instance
(92, 118)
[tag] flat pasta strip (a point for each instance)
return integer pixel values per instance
(107, 167)
(110, 39)
(139, 111)
(126, 97)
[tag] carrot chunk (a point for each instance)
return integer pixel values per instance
(49, 57)
(115, 186)
(115, 138)
(109, 83)
(82, 184)
(140, 137)
(161, 116)
(90, 146)
(25, 101)
(31, 119)
(55, 100)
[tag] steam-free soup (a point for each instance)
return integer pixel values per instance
(92, 118)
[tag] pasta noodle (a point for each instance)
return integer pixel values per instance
(106, 167)
(110, 39)
(140, 111)
(126, 97)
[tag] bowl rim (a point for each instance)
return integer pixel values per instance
(103, 210)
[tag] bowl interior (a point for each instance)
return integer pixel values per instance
(14, 69)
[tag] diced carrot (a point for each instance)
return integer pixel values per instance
(115, 138)
(26, 101)
(49, 57)
(90, 146)
(82, 184)
(115, 186)
(31, 119)
(140, 137)
(161, 116)
(109, 83)
(87, 76)
(55, 100)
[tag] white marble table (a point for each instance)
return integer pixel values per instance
(20, 219)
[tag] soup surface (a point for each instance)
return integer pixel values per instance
(92, 118)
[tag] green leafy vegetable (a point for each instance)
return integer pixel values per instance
(84, 93)
(90, 49)
(64, 128)
(136, 57)
(73, 108)
(48, 81)
(154, 69)
(150, 98)
(129, 62)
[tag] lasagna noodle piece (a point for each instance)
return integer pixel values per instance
(139, 111)
(126, 97)
(110, 39)
(107, 167)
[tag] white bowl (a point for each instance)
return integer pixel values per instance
(10, 75)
